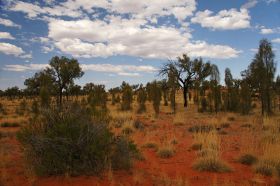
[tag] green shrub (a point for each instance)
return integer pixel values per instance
(264, 168)
(211, 164)
(8, 124)
(165, 152)
(151, 146)
(201, 128)
(247, 159)
(66, 141)
(138, 125)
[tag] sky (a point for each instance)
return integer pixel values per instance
(129, 40)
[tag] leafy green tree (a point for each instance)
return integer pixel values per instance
(127, 96)
(64, 71)
(156, 96)
(261, 73)
(141, 99)
(215, 88)
(245, 97)
(187, 72)
(12, 92)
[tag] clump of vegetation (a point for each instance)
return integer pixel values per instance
(127, 96)
(66, 141)
(151, 145)
(201, 128)
(156, 96)
(247, 159)
(138, 125)
(10, 124)
(211, 164)
(141, 99)
(165, 152)
(35, 108)
(265, 167)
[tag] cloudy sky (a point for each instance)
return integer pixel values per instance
(116, 40)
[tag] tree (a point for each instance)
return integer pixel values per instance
(127, 96)
(64, 71)
(141, 99)
(156, 96)
(229, 85)
(245, 97)
(261, 73)
(12, 92)
(187, 72)
(215, 88)
(164, 88)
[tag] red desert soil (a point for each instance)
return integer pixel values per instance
(153, 170)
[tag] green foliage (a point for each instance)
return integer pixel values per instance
(201, 128)
(65, 141)
(187, 72)
(127, 96)
(10, 124)
(165, 152)
(45, 97)
(35, 108)
(64, 71)
(261, 73)
(141, 99)
(211, 164)
(247, 159)
(156, 96)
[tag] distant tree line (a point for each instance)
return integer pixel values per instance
(199, 81)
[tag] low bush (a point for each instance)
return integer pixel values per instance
(247, 159)
(10, 124)
(165, 152)
(66, 141)
(265, 168)
(201, 128)
(211, 164)
(151, 146)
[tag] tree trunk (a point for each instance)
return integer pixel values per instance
(185, 96)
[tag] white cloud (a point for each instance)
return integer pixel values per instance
(276, 40)
(203, 49)
(47, 49)
(254, 50)
(6, 35)
(10, 49)
(224, 20)
(8, 23)
(121, 70)
(264, 30)
(22, 68)
(250, 4)
(128, 37)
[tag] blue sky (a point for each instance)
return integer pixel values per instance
(128, 40)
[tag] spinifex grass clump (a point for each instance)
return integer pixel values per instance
(66, 141)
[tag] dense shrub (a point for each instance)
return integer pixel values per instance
(141, 99)
(211, 164)
(68, 142)
(247, 159)
(201, 128)
(8, 124)
(165, 152)
(127, 96)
